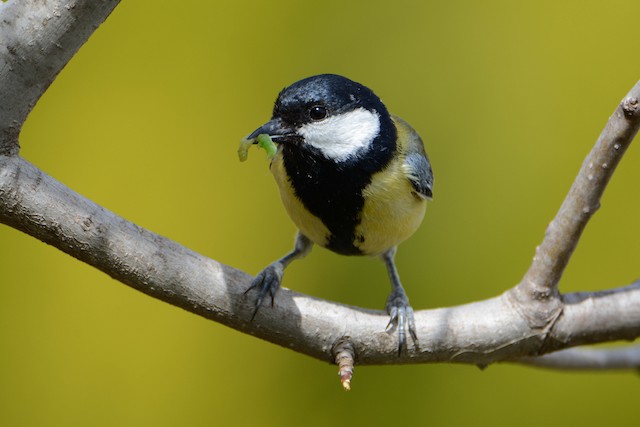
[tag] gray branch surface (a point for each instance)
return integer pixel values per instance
(592, 359)
(37, 38)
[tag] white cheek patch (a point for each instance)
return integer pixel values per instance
(342, 136)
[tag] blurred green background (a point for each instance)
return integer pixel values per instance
(145, 120)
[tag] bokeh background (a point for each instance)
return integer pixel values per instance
(145, 120)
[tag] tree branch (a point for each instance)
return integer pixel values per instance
(539, 286)
(531, 319)
(588, 359)
(37, 39)
(481, 332)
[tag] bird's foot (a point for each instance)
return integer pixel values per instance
(267, 282)
(401, 319)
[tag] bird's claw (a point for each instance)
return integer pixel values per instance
(401, 319)
(267, 282)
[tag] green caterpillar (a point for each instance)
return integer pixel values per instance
(263, 140)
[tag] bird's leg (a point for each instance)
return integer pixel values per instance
(400, 312)
(269, 279)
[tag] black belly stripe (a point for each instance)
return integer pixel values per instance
(333, 191)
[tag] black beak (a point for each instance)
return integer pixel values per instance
(274, 128)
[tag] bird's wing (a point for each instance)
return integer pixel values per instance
(416, 164)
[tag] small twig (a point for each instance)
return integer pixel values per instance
(344, 356)
(588, 359)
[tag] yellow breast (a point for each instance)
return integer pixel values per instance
(309, 224)
(391, 212)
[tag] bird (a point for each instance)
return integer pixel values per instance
(353, 178)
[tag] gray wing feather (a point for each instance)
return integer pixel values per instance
(416, 164)
(418, 170)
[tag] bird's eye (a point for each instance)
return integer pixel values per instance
(317, 112)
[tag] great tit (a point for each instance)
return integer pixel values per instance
(353, 178)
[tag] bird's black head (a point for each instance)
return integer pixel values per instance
(329, 114)
(326, 95)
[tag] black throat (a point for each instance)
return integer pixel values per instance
(332, 190)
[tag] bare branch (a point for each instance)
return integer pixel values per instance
(599, 359)
(37, 39)
(479, 333)
(538, 290)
